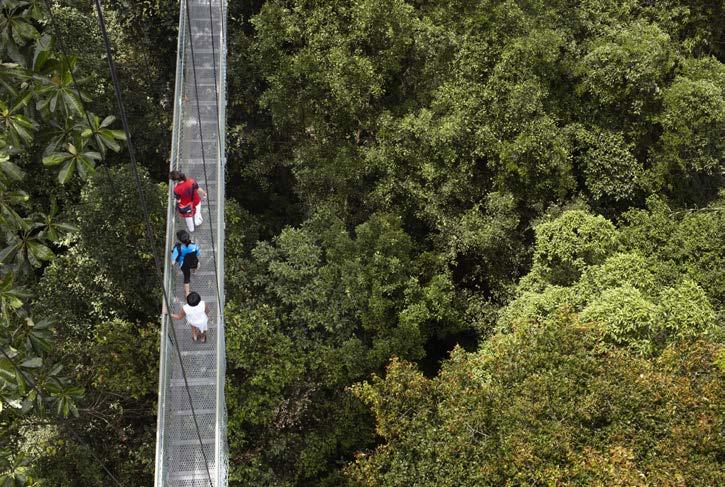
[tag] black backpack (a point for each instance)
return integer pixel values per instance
(192, 259)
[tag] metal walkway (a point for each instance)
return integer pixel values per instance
(181, 459)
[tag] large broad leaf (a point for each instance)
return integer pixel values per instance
(39, 338)
(20, 381)
(21, 292)
(86, 166)
(63, 408)
(104, 138)
(42, 52)
(56, 369)
(42, 324)
(66, 172)
(12, 296)
(21, 103)
(14, 52)
(108, 121)
(53, 144)
(107, 140)
(23, 30)
(38, 252)
(20, 129)
(51, 227)
(54, 230)
(72, 102)
(66, 401)
(11, 170)
(17, 196)
(41, 343)
(32, 363)
(9, 218)
(118, 134)
(9, 251)
(7, 371)
(56, 158)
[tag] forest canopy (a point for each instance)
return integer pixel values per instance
(467, 242)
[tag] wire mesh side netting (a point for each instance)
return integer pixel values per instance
(191, 438)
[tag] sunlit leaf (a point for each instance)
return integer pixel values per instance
(66, 172)
(32, 363)
(56, 158)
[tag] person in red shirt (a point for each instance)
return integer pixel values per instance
(188, 199)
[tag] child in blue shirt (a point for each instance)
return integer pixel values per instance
(186, 255)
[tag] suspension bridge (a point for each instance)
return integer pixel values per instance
(191, 443)
(191, 446)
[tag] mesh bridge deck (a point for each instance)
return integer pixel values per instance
(181, 459)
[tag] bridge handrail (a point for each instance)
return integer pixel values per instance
(165, 341)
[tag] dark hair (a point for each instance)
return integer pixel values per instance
(183, 237)
(193, 299)
(177, 176)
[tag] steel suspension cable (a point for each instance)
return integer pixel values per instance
(70, 431)
(93, 454)
(66, 58)
(64, 54)
(144, 207)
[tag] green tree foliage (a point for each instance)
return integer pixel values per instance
(102, 291)
(118, 364)
(546, 405)
(322, 308)
(110, 249)
(397, 176)
(693, 121)
(41, 117)
(604, 370)
(626, 67)
(143, 38)
(609, 169)
(60, 366)
(113, 230)
(465, 122)
(641, 302)
(693, 116)
(678, 243)
(569, 244)
(425, 110)
(38, 95)
(34, 381)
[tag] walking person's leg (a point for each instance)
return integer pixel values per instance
(194, 333)
(198, 219)
(189, 223)
(187, 279)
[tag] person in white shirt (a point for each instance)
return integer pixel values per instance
(196, 313)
